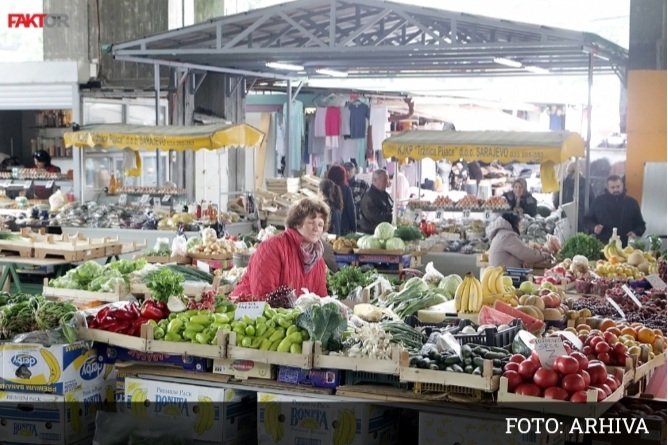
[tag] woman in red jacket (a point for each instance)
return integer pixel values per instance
(293, 258)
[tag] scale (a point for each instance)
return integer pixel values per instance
(16, 189)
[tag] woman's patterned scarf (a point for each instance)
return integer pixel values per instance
(311, 253)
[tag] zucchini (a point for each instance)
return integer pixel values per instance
(498, 363)
(191, 273)
(479, 350)
(497, 371)
(494, 355)
(468, 361)
(452, 360)
(457, 368)
(478, 361)
(434, 367)
(466, 351)
(477, 371)
(468, 369)
(499, 350)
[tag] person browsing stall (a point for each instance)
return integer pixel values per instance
(43, 162)
(338, 175)
(614, 208)
(520, 200)
(331, 194)
(293, 258)
(376, 205)
(358, 187)
(507, 248)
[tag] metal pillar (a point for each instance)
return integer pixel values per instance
(156, 86)
(287, 119)
(590, 82)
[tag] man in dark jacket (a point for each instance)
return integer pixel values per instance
(615, 209)
(376, 205)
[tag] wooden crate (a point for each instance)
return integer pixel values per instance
(303, 360)
(326, 361)
(73, 249)
(22, 247)
(190, 289)
(167, 259)
(113, 339)
(379, 252)
(646, 369)
(487, 382)
(82, 296)
(202, 256)
(219, 350)
(592, 408)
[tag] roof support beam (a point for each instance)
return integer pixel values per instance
(247, 31)
(312, 37)
(368, 26)
(417, 23)
(332, 23)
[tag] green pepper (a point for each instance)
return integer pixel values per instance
(202, 338)
(269, 312)
(191, 326)
(247, 342)
(158, 333)
(256, 342)
(246, 319)
(152, 323)
(171, 336)
(278, 335)
(305, 335)
(172, 316)
(175, 326)
(260, 330)
(284, 345)
(265, 345)
(189, 334)
(204, 320)
(274, 345)
(250, 331)
(240, 339)
(260, 320)
(291, 329)
(239, 330)
(295, 337)
(221, 318)
(271, 323)
(296, 348)
(284, 322)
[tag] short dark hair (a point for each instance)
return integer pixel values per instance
(332, 194)
(615, 178)
(42, 156)
(307, 207)
(513, 219)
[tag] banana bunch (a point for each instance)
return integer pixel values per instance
(343, 244)
(205, 415)
(75, 411)
(52, 363)
(272, 423)
(613, 254)
(346, 428)
(492, 284)
(138, 398)
(468, 296)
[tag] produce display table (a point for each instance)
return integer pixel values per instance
(451, 262)
(10, 263)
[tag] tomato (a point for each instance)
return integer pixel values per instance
(534, 358)
(568, 348)
(587, 350)
(556, 393)
(587, 378)
(595, 340)
(605, 388)
(527, 369)
(511, 366)
(528, 389)
(566, 364)
(514, 380)
(573, 383)
(597, 372)
(581, 358)
(619, 348)
(601, 347)
(579, 397)
(545, 378)
(517, 358)
(604, 357)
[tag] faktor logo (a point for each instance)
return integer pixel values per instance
(38, 20)
(24, 360)
(91, 368)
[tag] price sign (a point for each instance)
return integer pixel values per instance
(203, 266)
(27, 184)
(617, 308)
(571, 338)
(166, 198)
(49, 185)
(123, 199)
(548, 349)
(439, 214)
(631, 295)
(466, 213)
(251, 308)
(145, 199)
(656, 282)
(488, 215)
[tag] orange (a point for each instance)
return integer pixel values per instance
(637, 325)
(607, 323)
(629, 331)
(657, 332)
(646, 335)
(615, 330)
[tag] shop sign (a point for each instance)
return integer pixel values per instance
(20, 20)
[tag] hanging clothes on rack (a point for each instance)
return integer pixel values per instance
(359, 118)
(319, 123)
(296, 135)
(345, 121)
(333, 127)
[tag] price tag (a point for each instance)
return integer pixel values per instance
(548, 349)
(166, 198)
(145, 199)
(617, 308)
(488, 214)
(49, 185)
(594, 275)
(656, 282)
(439, 214)
(27, 184)
(203, 266)
(466, 213)
(631, 295)
(123, 199)
(251, 308)
(571, 338)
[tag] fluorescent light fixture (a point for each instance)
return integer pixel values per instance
(599, 56)
(536, 69)
(284, 66)
(333, 73)
(507, 62)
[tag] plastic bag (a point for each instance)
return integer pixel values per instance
(179, 246)
(378, 287)
(431, 275)
(57, 201)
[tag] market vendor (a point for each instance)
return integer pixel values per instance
(507, 249)
(520, 200)
(294, 258)
(43, 162)
(376, 205)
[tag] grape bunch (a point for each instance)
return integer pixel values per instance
(281, 297)
(597, 305)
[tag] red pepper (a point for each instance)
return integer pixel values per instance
(134, 308)
(116, 326)
(151, 311)
(102, 314)
(124, 314)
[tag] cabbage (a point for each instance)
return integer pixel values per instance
(395, 244)
(192, 243)
(368, 243)
(450, 283)
(384, 231)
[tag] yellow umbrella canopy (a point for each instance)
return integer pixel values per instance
(145, 137)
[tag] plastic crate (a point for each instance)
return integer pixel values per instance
(461, 391)
(369, 378)
(490, 336)
(451, 325)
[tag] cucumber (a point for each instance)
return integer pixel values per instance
(434, 367)
(494, 355)
(468, 369)
(466, 351)
(498, 363)
(497, 371)
(451, 360)
(457, 368)
(499, 350)
(477, 371)
(478, 361)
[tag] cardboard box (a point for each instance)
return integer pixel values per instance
(56, 370)
(320, 378)
(478, 428)
(212, 414)
(29, 418)
(113, 354)
(243, 369)
(284, 419)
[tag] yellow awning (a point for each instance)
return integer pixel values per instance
(486, 146)
(144, 137)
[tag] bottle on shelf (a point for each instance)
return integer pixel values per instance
(112, 185)
(615, 238)
(60, 119)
